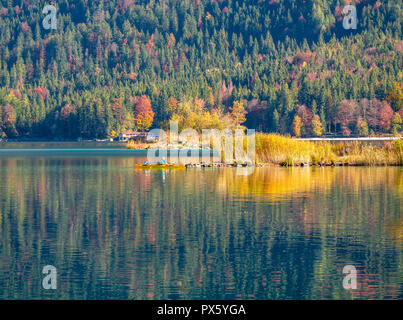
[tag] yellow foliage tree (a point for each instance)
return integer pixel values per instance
(396, 123)
(113, 134)
(317, 126)
(296, 126)
(395, 96)
(211, 99)
(362, 127)
(192, 113)
(238, 114)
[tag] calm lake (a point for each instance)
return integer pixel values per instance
(114, 232)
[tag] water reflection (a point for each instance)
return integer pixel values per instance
(116, 232)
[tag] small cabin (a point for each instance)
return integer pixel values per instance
(131, 135)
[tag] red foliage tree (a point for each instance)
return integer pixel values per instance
(378, 113)
(338, 13)
(347, 113)
(385, 115)
(306, 116)
(16, 93)
(8, 115)
(66, 111)
(3, 12)
(25, 27)
(302, 57)
(43, 92)
(377, 5)
(172, 103)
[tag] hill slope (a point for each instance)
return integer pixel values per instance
(290, 61)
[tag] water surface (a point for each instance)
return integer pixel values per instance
(114, 232)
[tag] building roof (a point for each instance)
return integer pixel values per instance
(132, 133)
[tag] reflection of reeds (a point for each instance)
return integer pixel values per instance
(279, 182)
(276, 149)
(274, 182)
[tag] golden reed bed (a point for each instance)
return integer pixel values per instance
(277, 149)
(274, 149)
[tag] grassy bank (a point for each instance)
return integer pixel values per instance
(136, 145)
(280, 150)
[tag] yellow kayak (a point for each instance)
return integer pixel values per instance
(160, 166)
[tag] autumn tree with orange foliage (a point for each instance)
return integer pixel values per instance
(172, 103)
(143, 113)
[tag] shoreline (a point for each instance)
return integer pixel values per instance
(271, 151)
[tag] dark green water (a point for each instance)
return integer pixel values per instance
(114, 232)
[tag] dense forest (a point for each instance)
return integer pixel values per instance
(284, 66)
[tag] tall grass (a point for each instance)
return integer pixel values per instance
(398, 150)
(136, 145)
(281, 150)
(277, 149)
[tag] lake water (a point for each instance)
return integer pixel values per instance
(114, 232)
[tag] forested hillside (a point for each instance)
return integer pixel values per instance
(122, 65)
